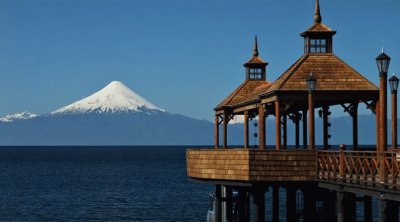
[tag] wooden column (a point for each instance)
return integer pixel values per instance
(325, 111)
(216, 132)
(304, 129)
(284, 126)
(261, 127)
(367, 208)
(378, 134)
(311, 120)
(394, 119)
(246, 129)
(354, 115)
(277, 125)
(297, 129)
(383, 110)
(275, 203)
(225, 124)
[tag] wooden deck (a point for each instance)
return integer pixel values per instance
(363, 169)
(248, 165)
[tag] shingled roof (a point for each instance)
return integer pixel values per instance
(243, 92)
(330, 71)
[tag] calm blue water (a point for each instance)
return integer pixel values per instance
(104, 184)
(99, 184)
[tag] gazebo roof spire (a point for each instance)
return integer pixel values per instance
(255, 50)
(317, 15)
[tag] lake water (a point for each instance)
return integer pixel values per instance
(103, 184)
(99, 184)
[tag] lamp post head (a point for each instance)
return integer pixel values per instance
(311, 80)
(383, 61)
(394, 83)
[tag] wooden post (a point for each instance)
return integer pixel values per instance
(325, 111)
(225, 124)
(383, 110)
(305, 129)
(246, 129)
(367, 208)
(394, 119)
(311, 120)
(284, 126)
(277, 125)
(216, 132)
(275, 203)
(297, 129)
(261, 127)
(341, 161)
(378, 133)
(354, 115)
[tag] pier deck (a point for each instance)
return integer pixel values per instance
(365, 171)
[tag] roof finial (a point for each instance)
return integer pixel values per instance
(383, 50)
(317, 15)
(255, 50)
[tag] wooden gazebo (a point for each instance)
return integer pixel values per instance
(337, 83)
(337, 178)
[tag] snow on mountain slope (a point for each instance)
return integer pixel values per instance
(114, 98)
(17, 116)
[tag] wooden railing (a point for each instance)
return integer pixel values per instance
(360, 167)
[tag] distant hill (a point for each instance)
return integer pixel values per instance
(116, 115)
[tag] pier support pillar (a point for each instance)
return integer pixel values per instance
(290, 204)
(217, 207)
(275, 203)
(309, 205)
(227, 204)
(346, 206)
(244, 206)
(259, 204)
(383, 209)
(393, 211)
(329, 206)
(367, 208)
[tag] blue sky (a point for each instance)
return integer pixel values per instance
(184, 56)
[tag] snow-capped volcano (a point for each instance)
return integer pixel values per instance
(114, 98)
(17, 116)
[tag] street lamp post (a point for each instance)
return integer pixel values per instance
(383, 62)
(311, 82)
(394, 84)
